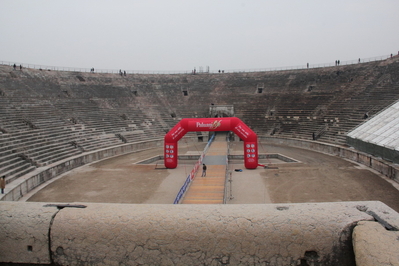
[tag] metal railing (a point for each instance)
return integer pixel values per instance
(117, 71)
(305, 66)
(227, 177)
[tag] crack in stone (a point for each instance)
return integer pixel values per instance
(49, 236)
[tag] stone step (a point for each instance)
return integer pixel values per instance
(19, 171)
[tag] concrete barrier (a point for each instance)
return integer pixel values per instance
(128, 234)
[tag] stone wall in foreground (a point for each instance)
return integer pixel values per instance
(128, 234)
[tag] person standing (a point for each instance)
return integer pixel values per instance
(203, 170)
(3, 183)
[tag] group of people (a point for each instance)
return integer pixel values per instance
(194, 71)
(15, 67)
(122, 73)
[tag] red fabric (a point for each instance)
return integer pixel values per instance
(211, 124)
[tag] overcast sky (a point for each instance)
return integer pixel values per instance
(168, 35)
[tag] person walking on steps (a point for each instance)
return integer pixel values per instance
(203, 170)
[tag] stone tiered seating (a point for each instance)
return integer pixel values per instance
(36, 145)
(49, 116)
(350, 111)
(13, 166)
(95, 118)
(96, 142)
(52, 153)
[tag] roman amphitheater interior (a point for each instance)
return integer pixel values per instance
(322, 194)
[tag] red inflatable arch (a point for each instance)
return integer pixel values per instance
(211, 124)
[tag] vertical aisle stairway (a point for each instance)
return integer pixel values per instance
(210, 189)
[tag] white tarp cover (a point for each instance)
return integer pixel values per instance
(381, 130)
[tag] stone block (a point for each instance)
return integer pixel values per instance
(375, 245)
(163, 234)
(24, 232)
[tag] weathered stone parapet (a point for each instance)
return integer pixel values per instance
(24, 232)
(127, 234)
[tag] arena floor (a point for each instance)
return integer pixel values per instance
(315, 177)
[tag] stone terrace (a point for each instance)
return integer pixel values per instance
(47, 116)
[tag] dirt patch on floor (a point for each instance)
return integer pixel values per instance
(120, 180)
(103, 183)
(324, 178)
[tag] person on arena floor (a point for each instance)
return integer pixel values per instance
(203, 170)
